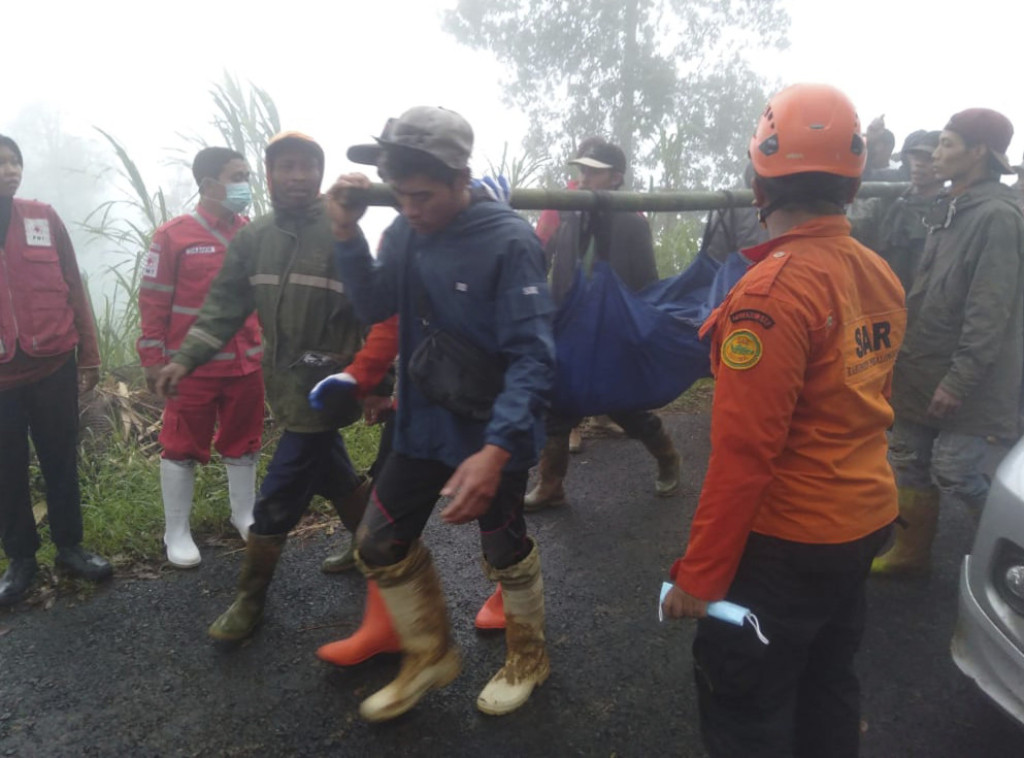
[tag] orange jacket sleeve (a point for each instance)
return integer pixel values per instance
(759, 365)
(371, 364)
(156, 296)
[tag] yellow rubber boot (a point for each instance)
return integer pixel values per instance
(911, 552)
(526, 661)
(412, 594)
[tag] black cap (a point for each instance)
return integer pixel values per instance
(920, 142)
(603, 156)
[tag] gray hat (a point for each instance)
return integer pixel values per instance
(439, 132)
(920, 141)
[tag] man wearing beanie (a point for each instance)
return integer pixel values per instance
(957, 380)
(281, 267)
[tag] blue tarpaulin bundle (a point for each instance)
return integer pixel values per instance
(621, 351)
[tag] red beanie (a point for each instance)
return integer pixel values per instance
(983, 126)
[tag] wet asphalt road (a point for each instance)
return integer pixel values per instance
(131, 672)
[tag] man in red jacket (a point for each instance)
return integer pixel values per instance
(48, 353)
(227, 393)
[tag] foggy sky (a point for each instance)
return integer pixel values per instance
(337, 71)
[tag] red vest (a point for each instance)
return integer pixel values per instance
(35, 312)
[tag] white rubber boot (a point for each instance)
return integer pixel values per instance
(526, 661)
(242, 491)
(177, 483)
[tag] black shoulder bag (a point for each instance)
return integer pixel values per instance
(450, 370)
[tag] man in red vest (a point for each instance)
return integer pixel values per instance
(48, 353)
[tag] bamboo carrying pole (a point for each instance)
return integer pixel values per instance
(658, 202)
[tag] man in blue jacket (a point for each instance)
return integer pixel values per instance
(458, 266)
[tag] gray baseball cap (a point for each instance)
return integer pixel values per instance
(436, 131)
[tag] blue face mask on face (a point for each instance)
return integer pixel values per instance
(238, 197)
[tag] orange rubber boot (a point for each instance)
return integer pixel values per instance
(374, 636)
(492, 614)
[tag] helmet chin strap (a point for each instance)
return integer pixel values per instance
(766, 211)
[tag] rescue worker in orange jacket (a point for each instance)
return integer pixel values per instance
(227, 393)
(798, 496)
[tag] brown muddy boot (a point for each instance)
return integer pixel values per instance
(240, 620)
(911, 552)
(554, 463)
(526, 660)
(412, 594)
(350, 510)
(664, 451)
(576, 440)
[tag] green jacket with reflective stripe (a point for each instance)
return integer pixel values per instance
(281, 266)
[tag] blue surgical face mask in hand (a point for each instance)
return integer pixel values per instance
(723, 610)
(238, 197)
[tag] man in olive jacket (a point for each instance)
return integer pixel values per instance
(281, 266)
(958, 376)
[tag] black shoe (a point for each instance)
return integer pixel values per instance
(17, 579)
(79, 562)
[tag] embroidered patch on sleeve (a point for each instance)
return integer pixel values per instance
(151, 265)
(752, 314)
(741, 350)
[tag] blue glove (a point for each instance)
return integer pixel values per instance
(497, 188)
(328, 385)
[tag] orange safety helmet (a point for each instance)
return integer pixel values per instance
(808, 127)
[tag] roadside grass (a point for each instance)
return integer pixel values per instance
(122, 510)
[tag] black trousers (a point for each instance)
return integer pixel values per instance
(304, 465)
(799, 695)
(48, 411)
(638, 425)
(404, 496)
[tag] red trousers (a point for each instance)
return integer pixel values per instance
(233, 405)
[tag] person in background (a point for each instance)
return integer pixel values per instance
(48, 355)
(958, 377)
(880, 144)
(227, 393)
(624, 240)
(798, 496)
(732, 229)
(895, 229)
(546, 227)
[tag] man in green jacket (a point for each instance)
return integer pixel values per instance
(281, 266)
(958, 376)
(895, 228)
